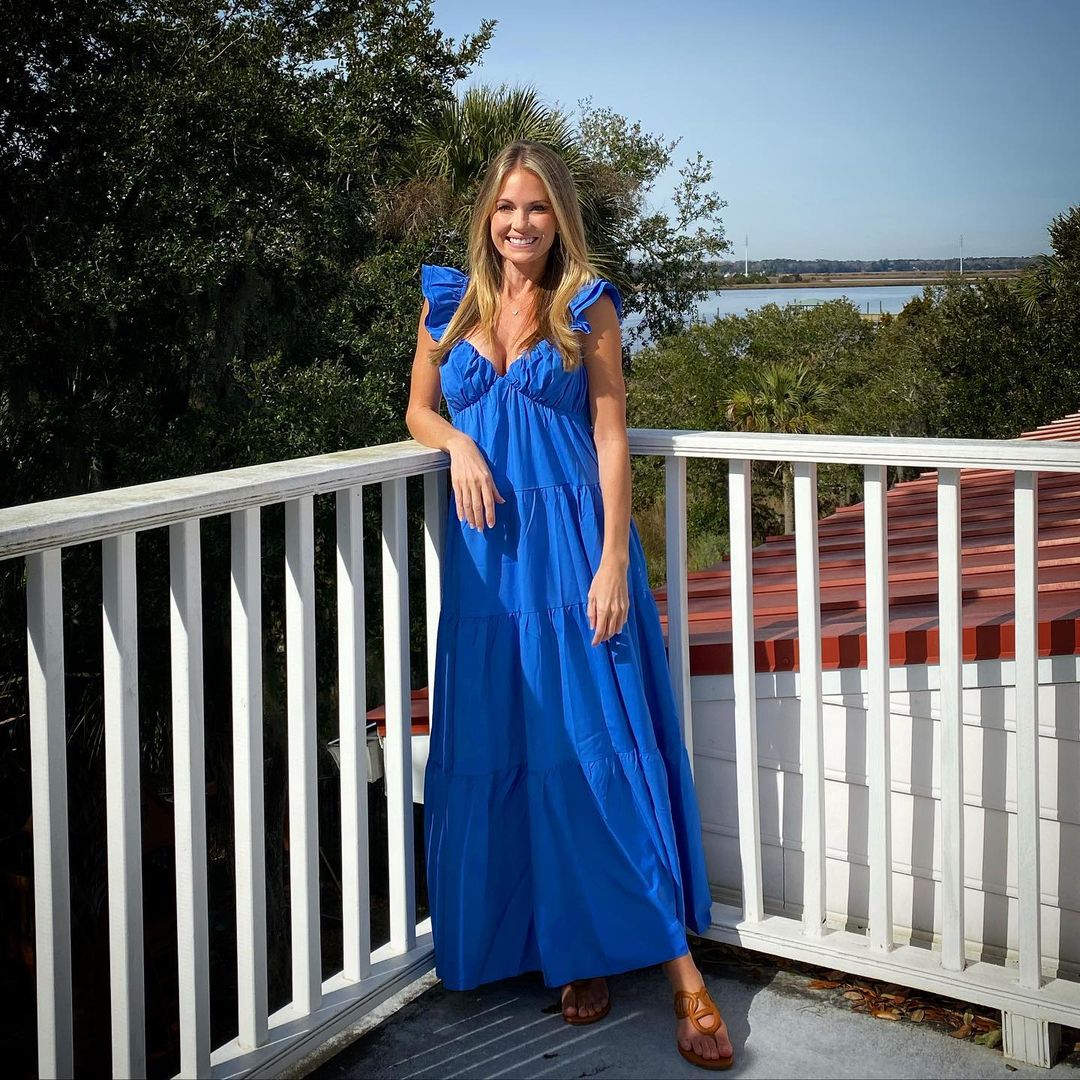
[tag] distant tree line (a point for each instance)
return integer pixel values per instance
(870, 266)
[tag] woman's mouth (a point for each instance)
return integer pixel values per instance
(521, 241)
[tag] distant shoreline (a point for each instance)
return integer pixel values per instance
(884, 278)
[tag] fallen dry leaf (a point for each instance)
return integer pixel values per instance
(853, 995)
(885, 1014)
(961, 1032)
(917, 1015)
(823, 984)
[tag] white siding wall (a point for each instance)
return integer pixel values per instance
(989, 802)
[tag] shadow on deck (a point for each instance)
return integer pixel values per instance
(779, 1026)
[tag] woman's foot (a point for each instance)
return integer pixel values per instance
(584, 998)
(683, 974)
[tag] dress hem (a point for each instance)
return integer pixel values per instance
(560, 982)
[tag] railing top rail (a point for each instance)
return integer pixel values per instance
(84, 518)
(79, 519)
(1021, 455)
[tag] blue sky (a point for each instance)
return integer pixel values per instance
(837, 129)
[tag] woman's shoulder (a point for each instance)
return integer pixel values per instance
(443, 288)
(589, 294)
(434, 275)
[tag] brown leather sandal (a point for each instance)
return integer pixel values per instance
(697, 1004)
(575, 983)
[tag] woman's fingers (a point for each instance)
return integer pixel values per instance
(476, 503)
(488, 506)
(607, 621)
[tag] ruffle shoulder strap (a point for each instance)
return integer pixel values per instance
(587, 295)
(443, 286)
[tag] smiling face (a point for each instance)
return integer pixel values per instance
(523, 224)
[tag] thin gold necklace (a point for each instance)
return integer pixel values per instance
(515, 310)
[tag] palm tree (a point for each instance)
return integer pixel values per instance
(785, 399)
(439, 171)
(1039, 284)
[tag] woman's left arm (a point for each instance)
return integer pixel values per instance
(609, 600)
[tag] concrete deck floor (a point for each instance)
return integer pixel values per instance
(779, 1027)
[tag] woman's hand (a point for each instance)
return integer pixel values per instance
(609, 599)
(475, 493)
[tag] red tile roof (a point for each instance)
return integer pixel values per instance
(987, 582)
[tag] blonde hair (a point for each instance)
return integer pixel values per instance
(569, 265)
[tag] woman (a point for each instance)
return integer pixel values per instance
(561, 824)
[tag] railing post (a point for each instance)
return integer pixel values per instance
(189, 797)
(435, 510)
(678, 620)
(303, 751)
(742, 666)
(398, 755)
(352, 735)
(952, 720)
(49, 804)
(123, 802)
(249, 834)
(1029, 891)
(878, 709)
(810, 708)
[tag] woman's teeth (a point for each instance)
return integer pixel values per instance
(521, 242)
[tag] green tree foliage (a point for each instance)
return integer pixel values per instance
(972, 358)
(188, 190)
(664, 257)
(688, 381)
(784, 398)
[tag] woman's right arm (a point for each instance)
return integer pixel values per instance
(475, 493)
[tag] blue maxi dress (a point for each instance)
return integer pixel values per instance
(561, 826)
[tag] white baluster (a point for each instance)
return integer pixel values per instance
(435, 510)
(678, 619)
(398, 752)
(810, 708)
(352, 734)
(952, 718)
(189, 797)
(123, 803)
(249, 838)
(742, 666)
(878, 710)
(303, 751)
(1029, 915)
(48, 776)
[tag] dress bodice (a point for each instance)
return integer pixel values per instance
(467, 377)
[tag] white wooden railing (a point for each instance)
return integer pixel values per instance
(1033, 1006)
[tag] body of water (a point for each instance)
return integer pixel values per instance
(870, 299)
